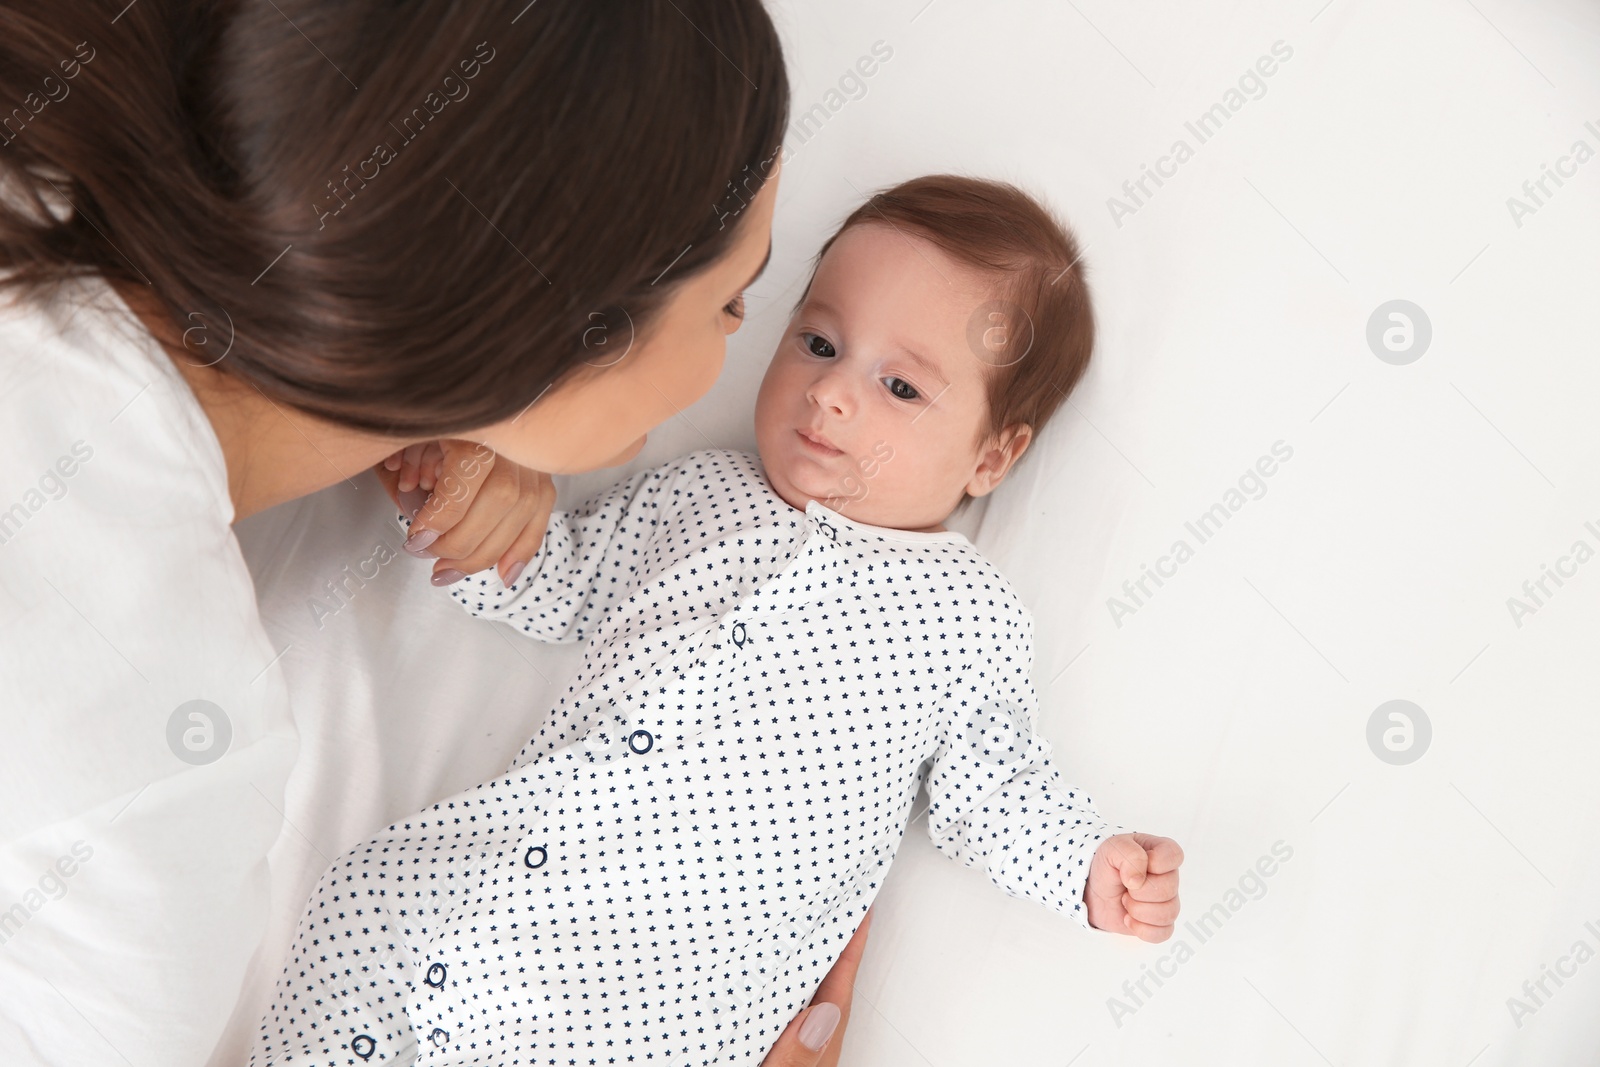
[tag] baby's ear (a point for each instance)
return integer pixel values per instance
(997, 457)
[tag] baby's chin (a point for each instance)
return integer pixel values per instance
(795, 491)
(798, 483)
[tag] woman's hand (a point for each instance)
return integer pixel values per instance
(482, 510)
(823, 1022)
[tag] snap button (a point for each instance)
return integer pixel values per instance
(439, 1037)
(435, 976)
(827, 528)
(739, 634)
(363, 1045)
(527, 857)
(649, 742)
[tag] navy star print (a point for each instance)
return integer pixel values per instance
(675, 860)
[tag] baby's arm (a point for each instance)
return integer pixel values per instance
(589, 559)
(998, 802)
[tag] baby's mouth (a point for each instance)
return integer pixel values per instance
(817, 446)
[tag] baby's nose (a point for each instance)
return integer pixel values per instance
(829, 394)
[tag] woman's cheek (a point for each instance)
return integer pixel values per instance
(627, 454)
(707, 365)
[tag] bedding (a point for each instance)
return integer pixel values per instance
(1364, 882)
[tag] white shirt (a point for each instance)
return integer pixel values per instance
(134, 824)
(676, 860)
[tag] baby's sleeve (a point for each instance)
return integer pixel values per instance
(591, 558)
(997, 801)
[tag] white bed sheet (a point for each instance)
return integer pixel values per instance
(1407, 905)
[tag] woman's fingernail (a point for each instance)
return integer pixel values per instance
(448, 577)
(419, 541)
(515, 572)
(413, 503)
(821, 1021)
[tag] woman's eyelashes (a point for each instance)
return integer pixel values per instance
(735, 307)
(899, 388)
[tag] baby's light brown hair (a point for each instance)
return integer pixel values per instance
(1038, 289)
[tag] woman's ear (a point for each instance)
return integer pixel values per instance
(997, 458)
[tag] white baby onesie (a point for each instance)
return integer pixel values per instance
(675, 861)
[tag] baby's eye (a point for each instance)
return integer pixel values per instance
(812, 341)
(902, 388)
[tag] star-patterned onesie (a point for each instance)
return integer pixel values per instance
(675, 861)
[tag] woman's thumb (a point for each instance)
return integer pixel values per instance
(804, 1041)
(820, 1022)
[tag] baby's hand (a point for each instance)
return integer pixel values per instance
(483, 510)
(419, 465)
(1133, 886)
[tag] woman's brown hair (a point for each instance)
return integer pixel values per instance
(1039, 289)
(403, 216)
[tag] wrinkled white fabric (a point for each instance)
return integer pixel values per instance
(147, 729)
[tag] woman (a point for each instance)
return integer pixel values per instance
(250, 250)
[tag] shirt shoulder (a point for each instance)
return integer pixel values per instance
(717, 469)
(111, 458)
(701, 476)
(725, 489)
(949, 586)
(88, 399)
(1010, 619)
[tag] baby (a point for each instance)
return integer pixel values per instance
(781, 649)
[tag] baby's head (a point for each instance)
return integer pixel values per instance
(943, 324)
